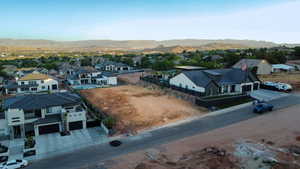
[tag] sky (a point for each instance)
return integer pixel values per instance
(270, 20)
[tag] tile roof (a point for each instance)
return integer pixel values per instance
(35, 76)
(38, 101)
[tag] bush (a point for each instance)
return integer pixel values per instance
(29, 142)
(109, 122)
(3, 159)
(3, 149)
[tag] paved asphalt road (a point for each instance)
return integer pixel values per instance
(89, 157)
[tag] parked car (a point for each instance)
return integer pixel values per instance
(263, 107)
(14, 164)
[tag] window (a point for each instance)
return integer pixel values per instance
(42, 81)
(225, 89)
(54, 87)
(33, 89)
(22, 83)
(24, 89)
(43, 87)
(32, 82)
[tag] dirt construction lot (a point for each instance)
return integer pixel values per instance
(137, 108)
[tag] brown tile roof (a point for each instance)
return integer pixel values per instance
(35, 76)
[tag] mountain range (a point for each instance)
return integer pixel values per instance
(133, 45)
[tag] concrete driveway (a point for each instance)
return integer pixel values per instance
(52, 144)
(267, 95)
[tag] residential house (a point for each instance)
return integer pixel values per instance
(53, 72)
(111, 66)
(212, 57)
(9, 69)
(91, 76)
(66, 68)
(38, 114)
(216, 81)
(25, 71)
(32, 83)
(263, 66)
(137, 60)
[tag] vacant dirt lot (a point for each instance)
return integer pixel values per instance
(291, 78)
(132, 78)
(137, 108)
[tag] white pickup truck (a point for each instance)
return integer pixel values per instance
(279, 86)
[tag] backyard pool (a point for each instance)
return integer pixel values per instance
(83, 87)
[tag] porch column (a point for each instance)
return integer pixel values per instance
(11, 131)
(36, 131)
(84, 124)
(22, 126)
(60, 127)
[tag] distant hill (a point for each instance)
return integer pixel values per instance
(133, 44)
(180, 49)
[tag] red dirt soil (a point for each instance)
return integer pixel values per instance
(137, 108)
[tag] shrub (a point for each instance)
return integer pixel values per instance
(109, 122)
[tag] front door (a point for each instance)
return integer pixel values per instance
(232, 89)
(17, 131)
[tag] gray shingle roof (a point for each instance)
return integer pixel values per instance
(198, 77)
(38, 101)
(220, 76)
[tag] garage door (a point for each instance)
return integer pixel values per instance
(53, 128)
(75, 125)
(95, 123)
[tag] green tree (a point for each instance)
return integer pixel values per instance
(297, 52)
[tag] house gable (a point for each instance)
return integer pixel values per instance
(183, 81)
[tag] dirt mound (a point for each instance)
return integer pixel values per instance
(208, 158)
